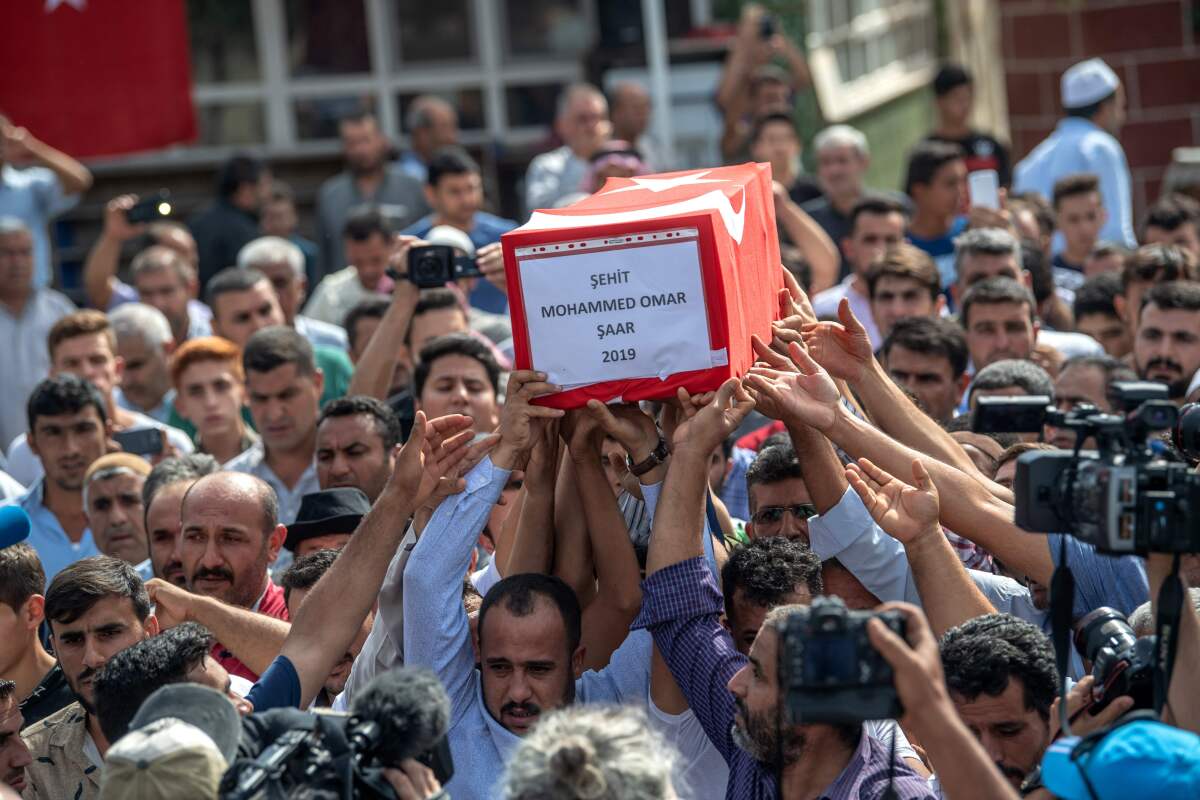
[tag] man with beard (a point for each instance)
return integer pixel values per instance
(736, 697)
(356, 440)
(112, 500)
(298, 581)
(230, 533)
(1166, 348)
(369, 179)
(96, 608)
(162, 498)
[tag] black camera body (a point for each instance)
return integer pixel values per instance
(830, 671)
(434, 265)
(1124, 497)
(1122, 664)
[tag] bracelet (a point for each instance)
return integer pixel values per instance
(656, 457)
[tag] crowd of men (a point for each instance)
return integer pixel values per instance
(273, 467)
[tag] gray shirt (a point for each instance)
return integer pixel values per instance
(254, 461)
(400, 197)
(26, 360)
(552, 176)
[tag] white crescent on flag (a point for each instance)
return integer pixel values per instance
(715, 200)
(78, 5)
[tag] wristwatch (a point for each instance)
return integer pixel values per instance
(656, 457)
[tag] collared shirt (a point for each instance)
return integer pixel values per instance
(411, 164)
(681, 607)
(61, 768)
(35, 196)
(400, 198)
(825, 306)
(439, 638)
(552, 176)
(254, 461)
(26, 358)
(337, 295)
(46, 535)
(161, 412)
(321, 334)
(1079, 145)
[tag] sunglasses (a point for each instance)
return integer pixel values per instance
(769, 515)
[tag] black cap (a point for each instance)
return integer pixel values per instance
(327, 512)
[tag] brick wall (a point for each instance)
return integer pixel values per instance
(1154, 47)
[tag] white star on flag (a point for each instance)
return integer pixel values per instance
(663, 184)
(78, 5)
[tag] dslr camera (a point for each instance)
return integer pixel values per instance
(1122, 664)
(434, 265)
(830, 671)
(1128, 495)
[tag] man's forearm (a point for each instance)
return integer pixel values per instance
(617, 577)
(948, 595)
(967, 508)
(254, 639)
(824, 476)
(100, 270)
(373, 372)
(74, 177)
(533, 545)
(679, 517)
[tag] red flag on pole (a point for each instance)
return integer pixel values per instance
(97, 77)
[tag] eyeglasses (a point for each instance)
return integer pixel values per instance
(769, 515)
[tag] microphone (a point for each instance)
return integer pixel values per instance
(410, 712)
(14, 525)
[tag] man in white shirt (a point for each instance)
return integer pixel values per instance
(582, 123)
(367, 239)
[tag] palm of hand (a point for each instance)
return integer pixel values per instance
(842, 353)
(813, 398)
(903, 511)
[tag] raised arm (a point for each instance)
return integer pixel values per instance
(21, 146)
(373, 372)
(100, 268)
(810, 237)
(327, 621)
(533, 543)
(254, 639)
(910, 514)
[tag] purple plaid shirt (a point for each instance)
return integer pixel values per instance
(681, 607)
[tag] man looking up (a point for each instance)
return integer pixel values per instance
(230, 533)
(581, 121)
(68, 430)
(41, 688)
(243, 184)
(936, 181)
(112, 499)
(84, 344)
(367, 237)
(162, 499)
(432, 124)
(356, 440)
(96, 608)
(283, 264)
(928, 358)
(1085, 141)
(243, 301)
(954, 93)
(144, 344)
(27, 314)
(368, 180)
(1166, 348)
(283, 386)
(876, 224)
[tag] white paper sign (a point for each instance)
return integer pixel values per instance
(616, 309)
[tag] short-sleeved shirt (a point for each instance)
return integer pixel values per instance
(35, 196)
(941, 249)
(26, 357)
(47, 536)
(62, 767)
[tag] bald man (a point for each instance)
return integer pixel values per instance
(230, 532)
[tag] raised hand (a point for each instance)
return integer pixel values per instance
(629, 425)
(710, 418)
(434, 450)
(905, 512)
(116, 223)
(517, 429)
(809, 396)
(171, 603)
(542, 470)
(490, 260)
(795, 310)
(843, 349)
(767, 356)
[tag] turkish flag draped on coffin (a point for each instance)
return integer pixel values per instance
(650, 284)
(97, 77)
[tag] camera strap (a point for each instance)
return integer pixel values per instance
(1166, 629)
(1062, 608)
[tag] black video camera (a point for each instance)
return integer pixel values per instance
(1122, 664)
(1124, 497)
(831, 672)
(433, 265)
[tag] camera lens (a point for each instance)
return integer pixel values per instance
(1186, 435)
(1104, 627)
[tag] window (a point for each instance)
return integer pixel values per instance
(425, 32)
(864, 53)
(222, 41)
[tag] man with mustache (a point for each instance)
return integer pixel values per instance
(96, 608)
(1166, 348)
(230, 533)
(112, 500)
(162, 497)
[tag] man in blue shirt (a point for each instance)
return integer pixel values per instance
(49, 184)
(937, 183)
(454, 190)
(68, 430)
(1085, 141)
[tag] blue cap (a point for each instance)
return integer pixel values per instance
(1145, 759)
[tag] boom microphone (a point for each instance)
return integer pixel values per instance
(14, 525)
(411, 709)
